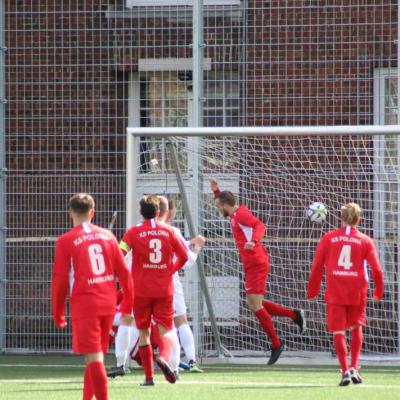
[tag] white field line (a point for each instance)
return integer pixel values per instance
(215, 383)
(206, 367)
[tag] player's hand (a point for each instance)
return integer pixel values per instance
(249, 245)
(214, 184)
(61, 322)
(198, 241)
(376, 298)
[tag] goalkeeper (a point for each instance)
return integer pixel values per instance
(248, 232)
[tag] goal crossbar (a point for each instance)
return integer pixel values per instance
(341, 130)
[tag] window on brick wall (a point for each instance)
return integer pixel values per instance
(166, 100)
(155, 3)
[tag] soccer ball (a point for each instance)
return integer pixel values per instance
(316, 212)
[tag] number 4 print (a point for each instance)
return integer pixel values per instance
(345, 257)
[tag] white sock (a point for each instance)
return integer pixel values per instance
(122, 344)
(176, 351)
(187, 341)
(133, 345)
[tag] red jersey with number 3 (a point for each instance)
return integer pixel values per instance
(345, 253)
(153, 246)
(87, 257)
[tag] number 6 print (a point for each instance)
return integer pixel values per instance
(97, 259)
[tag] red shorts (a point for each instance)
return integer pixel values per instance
(161, 309)
(91, 335)
(256, 279)
(341, 317)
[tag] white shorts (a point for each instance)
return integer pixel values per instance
(179, 304)
(117, 319)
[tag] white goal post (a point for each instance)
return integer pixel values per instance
(277, 172)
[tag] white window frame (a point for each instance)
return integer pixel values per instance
(383, 175)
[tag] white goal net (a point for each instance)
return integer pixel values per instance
(277, 177)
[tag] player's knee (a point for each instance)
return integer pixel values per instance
(94, 357)
(355, 327)
(338, 333)
(254, 303)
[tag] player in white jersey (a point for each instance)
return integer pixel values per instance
(194, 247)
(126, 338)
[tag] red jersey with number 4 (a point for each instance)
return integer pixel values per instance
(85, 262)
(345, 253)
(153, 246)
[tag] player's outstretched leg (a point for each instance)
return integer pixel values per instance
(122, 344)
(276, 310)
(176, 354)
(276, 353)
(187, 342)
(166, 345)
(166, 369)
(255, 302)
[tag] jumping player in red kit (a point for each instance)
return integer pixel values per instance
(248, 232)
(154, 245)
(85, 262)
(344, 253)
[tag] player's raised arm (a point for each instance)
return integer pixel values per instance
(376, 270)
(60, 283)
(214, 187)
(317, 270)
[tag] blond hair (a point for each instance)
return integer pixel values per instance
(350, 213)
(164, 206)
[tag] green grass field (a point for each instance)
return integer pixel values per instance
(48, 378)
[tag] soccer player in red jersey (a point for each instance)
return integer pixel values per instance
(248, 232)
(154, 245)
(344, 253)
(85, 262)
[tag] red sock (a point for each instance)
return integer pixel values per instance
(87, 386)
(268, 326)
(165, 347)
(98, 378)
(355, 346)
(341, 350)
(146, 356)
(279, 311)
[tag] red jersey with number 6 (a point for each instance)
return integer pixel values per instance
(345, 253)
(85, 262)
(153, 246)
